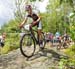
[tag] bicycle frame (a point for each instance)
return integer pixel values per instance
(33, 35)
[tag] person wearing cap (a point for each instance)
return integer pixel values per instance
(35, 18)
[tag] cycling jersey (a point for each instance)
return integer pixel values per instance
(35, 17)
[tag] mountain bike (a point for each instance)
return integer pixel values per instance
(29, 40)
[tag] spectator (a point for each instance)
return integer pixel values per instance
(2, 39)
(51, 37)
(57, 36)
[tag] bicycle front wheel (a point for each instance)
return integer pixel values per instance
(27, 45)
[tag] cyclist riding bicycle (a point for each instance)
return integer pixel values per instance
(36, 21)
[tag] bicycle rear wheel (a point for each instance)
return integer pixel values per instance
(27, 45)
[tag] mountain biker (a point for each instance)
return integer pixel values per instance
(36, 20)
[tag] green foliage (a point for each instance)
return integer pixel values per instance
(67, 1)
(53, 19)
(11, 42)
(67, 63)
(72, 31)
(62, 63)
(12, 35)
(5, 49)
(11, 27)
(70, 62)
(70, 51)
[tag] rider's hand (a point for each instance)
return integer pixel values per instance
(30, 26)
(21, 26)
(34, 22)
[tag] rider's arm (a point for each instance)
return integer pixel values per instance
(37, 20)
(23, 23)
(25, 20)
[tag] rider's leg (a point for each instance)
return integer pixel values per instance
(39, 25)
(40, 35)
(39, 32)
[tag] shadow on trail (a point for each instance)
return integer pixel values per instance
(46, 52)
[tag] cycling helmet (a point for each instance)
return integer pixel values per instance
(27, 7)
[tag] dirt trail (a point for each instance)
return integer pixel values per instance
(46, 59)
